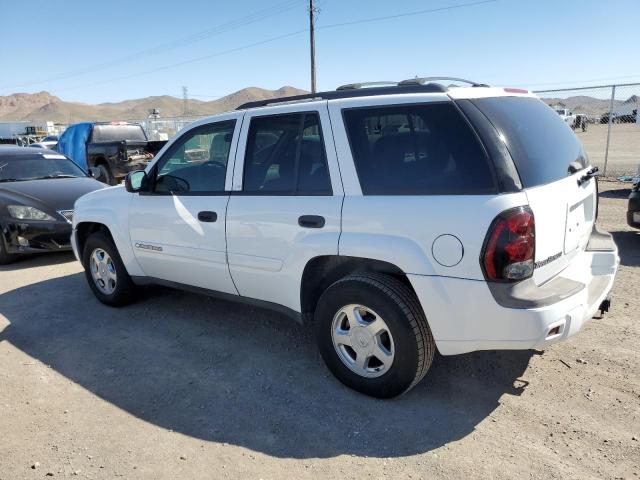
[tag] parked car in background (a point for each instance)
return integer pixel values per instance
(50, 142)
(393, 219)
(37, 191)
(630, 117)
(113, 148)
(567, 115)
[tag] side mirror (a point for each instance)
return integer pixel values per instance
(135, 181)
(94, 172)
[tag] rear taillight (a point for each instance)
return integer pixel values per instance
(509, 247)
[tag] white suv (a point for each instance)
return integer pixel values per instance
(395, 219)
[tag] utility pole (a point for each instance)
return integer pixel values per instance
(312, 40)
(185, 101)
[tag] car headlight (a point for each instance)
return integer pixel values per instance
(23, 212)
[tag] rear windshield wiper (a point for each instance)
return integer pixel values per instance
(588, 176)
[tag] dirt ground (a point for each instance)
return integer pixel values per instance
(624, 145)
(183, 386)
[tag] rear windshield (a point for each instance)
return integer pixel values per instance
(117, 133)
(541, 144)
(426, 149)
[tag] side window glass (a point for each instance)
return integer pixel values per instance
(197, 162)
(285, 154)
(313, 175)
(416, 150)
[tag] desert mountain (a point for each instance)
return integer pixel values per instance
(584, 104)
(46, 107)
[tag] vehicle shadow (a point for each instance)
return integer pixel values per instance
(628, 242)
(30, 261)
(614, 192)
(225, 372)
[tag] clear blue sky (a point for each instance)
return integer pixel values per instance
(105, 51)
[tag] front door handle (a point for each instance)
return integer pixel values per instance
(207, 216)
(311, 221)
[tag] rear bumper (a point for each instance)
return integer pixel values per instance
(35, 237)
(464, 315)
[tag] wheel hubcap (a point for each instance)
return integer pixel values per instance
(103, 271)
(362, 340)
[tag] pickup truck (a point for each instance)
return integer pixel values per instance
(113, 149)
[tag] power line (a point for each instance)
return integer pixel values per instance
(179, 42)
(279, 37)
(186, 62)
(408, 14)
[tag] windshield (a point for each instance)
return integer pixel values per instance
(36, 167)
(117, 133)
(541, 144)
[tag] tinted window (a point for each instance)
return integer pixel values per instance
(117, 133)
(541, 144)
(197, 162)
(416, 149)
(285, 153)
(33, 167)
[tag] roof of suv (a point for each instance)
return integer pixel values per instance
(413, 85)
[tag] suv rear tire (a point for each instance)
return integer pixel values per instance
(373, 334)
(105, 272)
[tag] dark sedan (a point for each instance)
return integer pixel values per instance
(37, 191)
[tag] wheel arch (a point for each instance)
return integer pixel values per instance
(322, 271)
(84, 229)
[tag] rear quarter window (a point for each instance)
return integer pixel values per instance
(540, 142)
(426, 149)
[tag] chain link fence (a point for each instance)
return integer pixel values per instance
(606, 120)
(164, 128)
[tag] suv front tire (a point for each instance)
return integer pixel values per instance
(373, 335)
(105, 272)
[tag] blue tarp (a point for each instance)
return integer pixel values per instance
(73, 143)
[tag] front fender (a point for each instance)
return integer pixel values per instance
(110, 207)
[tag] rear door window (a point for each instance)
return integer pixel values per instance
(540, 142)
(426, 149)
(285, 155)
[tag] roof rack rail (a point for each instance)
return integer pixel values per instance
(354, 86)
(425, 80)
(354, 90)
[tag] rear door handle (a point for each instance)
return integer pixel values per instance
(207, 216)
(311, 221)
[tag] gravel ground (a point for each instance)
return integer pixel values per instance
(624, 146)
(183, 386)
